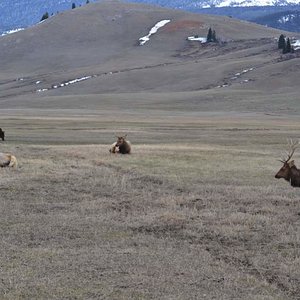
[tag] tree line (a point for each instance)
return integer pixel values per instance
(285, 44)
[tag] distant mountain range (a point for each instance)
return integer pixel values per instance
(281, 14)
(285, 20)
(23, 13)
(196, 4)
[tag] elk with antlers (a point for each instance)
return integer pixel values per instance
(289, 171)
(121, 145)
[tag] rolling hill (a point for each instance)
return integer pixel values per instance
(47, 64)
(24, 13)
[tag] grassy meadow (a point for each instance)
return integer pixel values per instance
(193, 213)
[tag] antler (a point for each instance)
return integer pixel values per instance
(293, 145)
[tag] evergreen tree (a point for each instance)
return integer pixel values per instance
(209, 35)
(87, 1)
(288, 46)
(213, 36)
(44, 16)
(73, 5)
(284, 50)
(281, 42)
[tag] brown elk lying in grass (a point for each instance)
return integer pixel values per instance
(8, 160)
(121, 145)
(289, 171)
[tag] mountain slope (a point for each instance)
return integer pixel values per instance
(60, 64)
(111, 30)
(190, 4)
(282, 20)
(23, 13)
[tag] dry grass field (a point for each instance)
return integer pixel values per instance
(193, 213)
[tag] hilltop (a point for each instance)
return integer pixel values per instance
(16, 14)
(25, 13)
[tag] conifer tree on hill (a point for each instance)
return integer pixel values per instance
(44, 16)
(209, 35)
(288, 46)
(281, 41)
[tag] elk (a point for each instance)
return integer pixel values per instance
(121, 145)
(289, 171)
(2, 134)
(8, 160)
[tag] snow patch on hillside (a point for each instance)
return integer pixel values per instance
(153, 30)
(296, 44)
(244, 3)
(12, 31)
(66, 83)
(287, 18)
(202, 40)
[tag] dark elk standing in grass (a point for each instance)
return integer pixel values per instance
(2, 134)
(121, 145)
(289, 171)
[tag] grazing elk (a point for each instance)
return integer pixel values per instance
(121, 145)
(8, 160)
(2, 134)
(289, 171)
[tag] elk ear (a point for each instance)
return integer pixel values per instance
(291, 163)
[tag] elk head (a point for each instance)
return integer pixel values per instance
(288, 164)
(120, 140)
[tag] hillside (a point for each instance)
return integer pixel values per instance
(190, 4)
(17, 14)
(282, 20)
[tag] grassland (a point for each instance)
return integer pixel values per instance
(193, 213)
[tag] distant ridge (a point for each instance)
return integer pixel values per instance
(261, 12)
(17, 14)
(284, 20)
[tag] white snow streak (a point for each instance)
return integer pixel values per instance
(153, 30)
(236, 76)
(286, 18)
(11, 31)
(245, 3)
(56, 86)
(202, 40)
